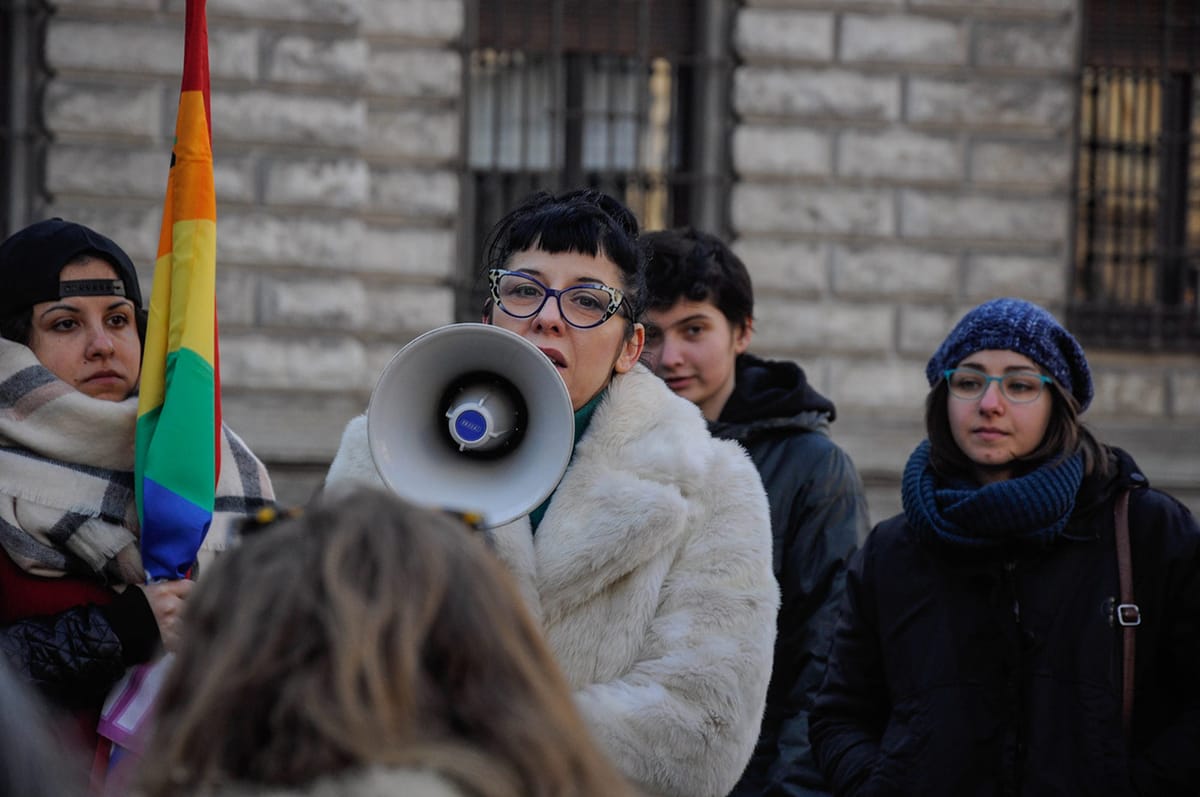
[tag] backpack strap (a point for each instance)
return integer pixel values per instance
(1127, 615)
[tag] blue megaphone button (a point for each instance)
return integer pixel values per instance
(471, 426)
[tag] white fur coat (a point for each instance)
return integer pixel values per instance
(651, 576)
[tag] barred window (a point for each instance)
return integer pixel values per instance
(23, 137)
(628, 96)
(1137, 247)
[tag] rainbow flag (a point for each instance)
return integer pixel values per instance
(179, 407)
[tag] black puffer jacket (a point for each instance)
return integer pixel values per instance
(74, 656)
(817, 515)
(1002, 675)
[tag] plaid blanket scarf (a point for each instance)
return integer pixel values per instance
(67, 502)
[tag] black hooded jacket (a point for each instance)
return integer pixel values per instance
(818, 513)
(1001, 674)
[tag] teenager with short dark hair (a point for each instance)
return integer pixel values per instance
(699, 323)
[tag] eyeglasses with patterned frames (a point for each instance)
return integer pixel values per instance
(582, 306)
(1019, 387)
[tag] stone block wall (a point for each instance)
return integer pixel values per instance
(336, 143)
(897, 162)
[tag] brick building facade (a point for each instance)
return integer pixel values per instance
(892, 163)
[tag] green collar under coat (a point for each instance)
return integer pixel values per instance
(583, 417)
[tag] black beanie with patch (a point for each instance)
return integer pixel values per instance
(32, 258)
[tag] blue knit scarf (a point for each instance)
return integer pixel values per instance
(1029, 509)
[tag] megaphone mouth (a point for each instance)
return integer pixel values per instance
(471, 417)
(483, 415)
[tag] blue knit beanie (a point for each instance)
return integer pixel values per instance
(1023, 327)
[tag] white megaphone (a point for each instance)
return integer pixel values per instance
(471, 418)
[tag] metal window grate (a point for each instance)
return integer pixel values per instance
(23, 135)
(1137, 247)
(570, 93)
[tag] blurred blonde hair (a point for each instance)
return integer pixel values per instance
(368, 632)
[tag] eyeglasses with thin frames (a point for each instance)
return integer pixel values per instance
(582, 306)
(1019, 387)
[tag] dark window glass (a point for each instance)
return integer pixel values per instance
(1137, 247)
(569, 93)
(23, 137)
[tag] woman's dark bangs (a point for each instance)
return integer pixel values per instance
(558, 231)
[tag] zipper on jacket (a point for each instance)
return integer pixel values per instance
(1017, 750)
(1010, 568)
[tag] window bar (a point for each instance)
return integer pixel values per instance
(1120, 178)
(523, 67)
(8, 126)
(1110, 196)
(1105, 189)
(603, 69)
(1128, 235)
(709, 162)
(1088, 276)
(467, 238)
(1100, 291)
(493, 196)
(559, 90)
(680, 106)
(24, 73)
(1139, 162)
(1123, 289)
(1146, 186)
(598, 69)
(491, 67)
(573, 129)
(641, 110)
(1127, 164)
(1172, 232)
(1190, 299)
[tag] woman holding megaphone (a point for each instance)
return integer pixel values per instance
(649, 566)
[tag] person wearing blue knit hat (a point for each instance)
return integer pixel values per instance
(982, 646)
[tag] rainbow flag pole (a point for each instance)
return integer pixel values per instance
(179, 407)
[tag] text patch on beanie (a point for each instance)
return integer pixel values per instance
(90, 288)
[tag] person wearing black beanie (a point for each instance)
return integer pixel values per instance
(987, 644)
(75, 608)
